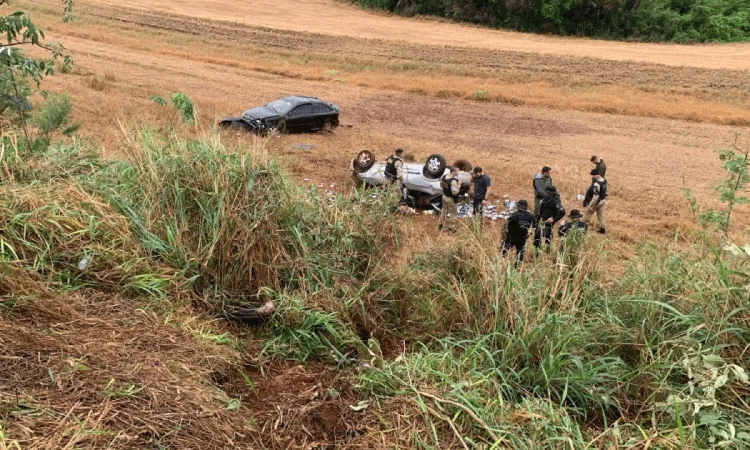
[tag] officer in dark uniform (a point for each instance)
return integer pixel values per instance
(393, 166)
(550, 211)
(600, 166)
(575, 226)
(516, 230)
(540, 183)
(482, 185)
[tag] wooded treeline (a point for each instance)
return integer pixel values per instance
(646, 20)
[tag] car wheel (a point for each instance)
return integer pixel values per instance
(434, 166)
(364, 160)
(274, 131)
(227, 124)
(463, 165)
(328, 126)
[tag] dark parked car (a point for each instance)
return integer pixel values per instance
(288, 114)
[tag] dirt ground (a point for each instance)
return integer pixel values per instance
(416, 84)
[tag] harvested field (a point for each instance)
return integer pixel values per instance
(508, 110)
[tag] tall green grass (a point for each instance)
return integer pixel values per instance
(479, 353)
(231, 220)
(659, 356)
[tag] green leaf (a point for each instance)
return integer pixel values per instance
(709, 418)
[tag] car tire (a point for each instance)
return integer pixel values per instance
(463, 165)
(364, 160)
(228, 123)
(328, 126)
(275, 130)
(434, 166)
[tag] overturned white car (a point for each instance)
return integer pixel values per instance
(421, 182)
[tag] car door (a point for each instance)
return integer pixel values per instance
(299, 118)
(321, 112)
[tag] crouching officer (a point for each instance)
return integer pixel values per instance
(393, 167)
(451, 187)
(516, 230)
(576, 226)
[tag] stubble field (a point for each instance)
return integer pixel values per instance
(509, 102)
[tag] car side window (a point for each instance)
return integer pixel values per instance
(320, 108)
(301, 110)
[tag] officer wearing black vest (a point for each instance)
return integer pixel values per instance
(550, 212)
(595, 199)
(574, 226)
(516, 230)
(451, 186)
(393, 166)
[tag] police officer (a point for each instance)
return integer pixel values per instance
(600, 166)
(540, 183)
(516, 230)
(595, 199)
(451, 188)
(393, 166)
(482, 185)
(550, 211)
(574, 226)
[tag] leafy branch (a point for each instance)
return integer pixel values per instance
(16, 69)
(736, 164)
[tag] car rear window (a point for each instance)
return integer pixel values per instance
(321, 108)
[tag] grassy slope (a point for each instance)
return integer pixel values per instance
(124, 353)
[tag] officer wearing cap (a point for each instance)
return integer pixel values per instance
(574, 226)
(393, 166)
(595, 199)
(451, 188)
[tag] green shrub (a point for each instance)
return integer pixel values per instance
(649, 20)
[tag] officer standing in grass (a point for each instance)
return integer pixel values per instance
(451, 188)
(541, 181)
(595, 199)
(600, 166)
(550, 211)
(481, 189)
(393, 167)
(516, 230)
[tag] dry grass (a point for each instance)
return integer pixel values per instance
(93, 370)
